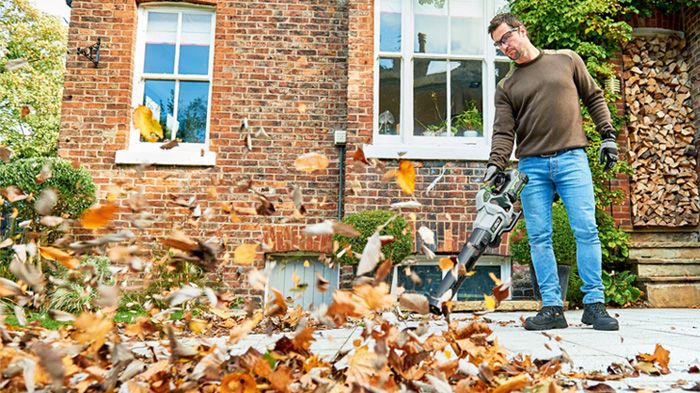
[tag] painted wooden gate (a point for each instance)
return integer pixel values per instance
(282, 279)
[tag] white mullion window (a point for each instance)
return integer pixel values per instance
(173, 78)
(437, 101)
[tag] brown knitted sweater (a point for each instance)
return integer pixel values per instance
(537, 106)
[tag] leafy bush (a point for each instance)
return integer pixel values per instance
(75, 295)
(614, 242)
(74, 187)
(366, 223)
(620, 289)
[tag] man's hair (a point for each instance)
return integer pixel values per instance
(505, 17)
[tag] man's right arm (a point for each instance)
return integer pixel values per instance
(503, 131)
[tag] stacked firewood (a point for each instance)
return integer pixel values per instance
(661, 131)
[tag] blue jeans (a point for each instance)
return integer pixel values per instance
(566, 173)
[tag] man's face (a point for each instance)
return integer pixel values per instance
(510, 40)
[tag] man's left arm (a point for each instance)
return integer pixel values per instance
(592, 96)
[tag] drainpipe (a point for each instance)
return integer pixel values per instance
(340, 140)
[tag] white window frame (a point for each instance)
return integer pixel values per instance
(139, 152)
(406, 145)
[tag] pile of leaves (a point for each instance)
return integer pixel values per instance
(92, 352)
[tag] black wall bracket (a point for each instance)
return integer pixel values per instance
(92, 52)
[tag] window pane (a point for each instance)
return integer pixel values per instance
(502, 6)
(192, 111)
(466, 104)
(467, 27)
(474, 287)
(430, 21)
(390, 26)
(159, 96)
(161, 35)
(502, 69)
(194, 44)
(430, 97)
(389, 96)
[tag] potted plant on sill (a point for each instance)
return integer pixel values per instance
(564, 245)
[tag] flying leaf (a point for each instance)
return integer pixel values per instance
(321, 283)
(322, 228)
(370, 255)
(414, 302)
(427, 235)
(92, 329)
(180, 241)
(406, 177)
(489, 302)
(9, 288)
(310, 162)
(406, 205)
(98, 216)
(170, 144)
(346, 230)
(446, 264)
(359, 156)
(500, 292)
(55, 254)
(148, 126)
(46, 201)
(245, 254)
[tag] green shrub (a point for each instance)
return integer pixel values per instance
(366, 223)
(74, 187)
(74, 295)
(620, 289)
(614, 242)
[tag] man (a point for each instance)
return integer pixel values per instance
(537, 106)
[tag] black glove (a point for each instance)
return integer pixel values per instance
(491, 172)
(608, 152)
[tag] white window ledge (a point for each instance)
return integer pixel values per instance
(166, 157)
(475, 152)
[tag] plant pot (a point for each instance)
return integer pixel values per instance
(563, 273)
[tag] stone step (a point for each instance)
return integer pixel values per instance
(666, 261)
(688, 235)
(669, 279)
(672, 294)
(667, 269)
(664, 250)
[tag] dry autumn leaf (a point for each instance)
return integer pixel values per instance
(55, 254)
(311, 162)
(245, 254)
(446, 264)
(149, 127)
(406, 177)
(98, 216)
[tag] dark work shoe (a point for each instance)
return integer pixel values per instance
(549, 317)
(595, 314)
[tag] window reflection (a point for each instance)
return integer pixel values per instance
(159, 97)
(161, 36)
(390, 26)
(466, 102)
(430, 24)
(194, 44)
(429, 97)
(192, 111)
(389, 96)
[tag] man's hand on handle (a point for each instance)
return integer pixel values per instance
(608, 152)
(491, 172)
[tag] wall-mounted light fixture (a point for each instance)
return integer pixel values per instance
(92, 52)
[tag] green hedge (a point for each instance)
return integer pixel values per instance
(366, 223)
(74, 187)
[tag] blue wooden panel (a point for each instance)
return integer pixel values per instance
(282, 275)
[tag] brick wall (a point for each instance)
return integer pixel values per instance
(281, 64)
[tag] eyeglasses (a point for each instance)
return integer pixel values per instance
(505, 37)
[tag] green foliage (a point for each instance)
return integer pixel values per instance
(36, 86)
(563, 241)
(367, 222)
(74, 295)
(74, 187)
(469, 119)
(42, 317)
(620, 289)
(614, 242)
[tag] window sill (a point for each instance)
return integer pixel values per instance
(465, 152)
(166, 157)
